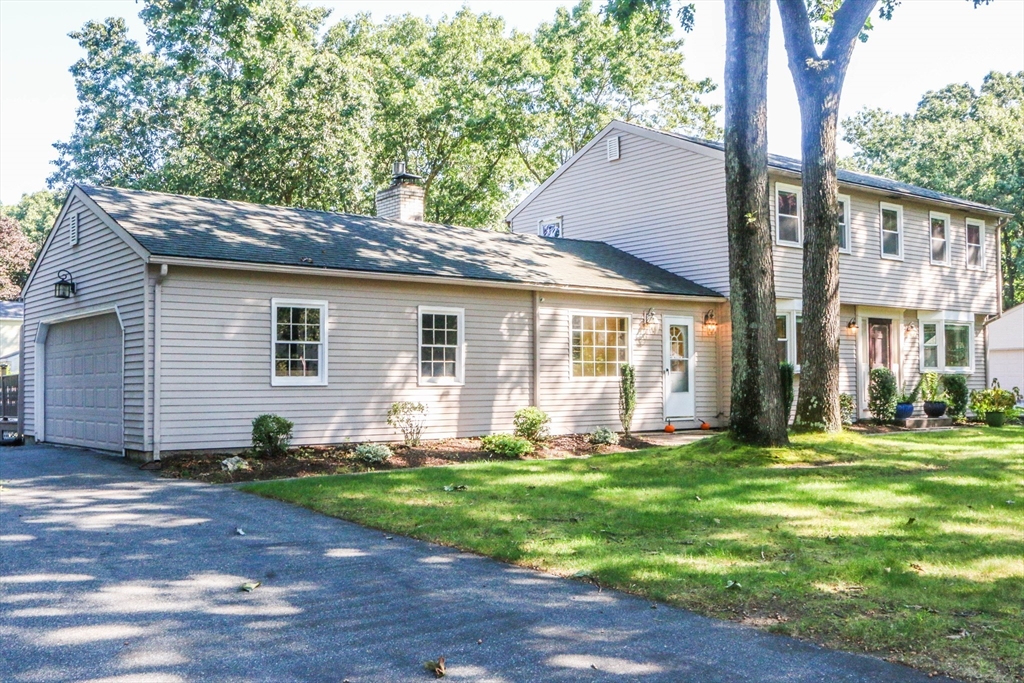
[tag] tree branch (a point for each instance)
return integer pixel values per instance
(796, 29)
(847, 25)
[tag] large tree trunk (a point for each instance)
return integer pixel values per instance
(756, 405)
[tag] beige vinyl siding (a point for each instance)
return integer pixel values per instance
(867, 279)
(107, 273)
(847, 352)
(658, 202)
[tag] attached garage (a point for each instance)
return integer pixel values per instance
(83, 404)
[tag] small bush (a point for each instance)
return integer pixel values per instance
(373, 453)
(882, 394)
(602, 436)
(627, 396)
(271, 435)
(786, 376)
(995, 400)
(531, 423)
(409, 418)
(847, 409)
(959, 396)
(506, 445)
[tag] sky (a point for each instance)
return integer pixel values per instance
(927, 45)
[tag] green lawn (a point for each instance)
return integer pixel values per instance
(904, 545)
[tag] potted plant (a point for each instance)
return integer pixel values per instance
(995, 404)
(933, 394)
(905, 403)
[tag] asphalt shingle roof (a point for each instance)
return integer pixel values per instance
(201, 228)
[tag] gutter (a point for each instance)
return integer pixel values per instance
(157, 374)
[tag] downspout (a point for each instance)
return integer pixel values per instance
(536, 348)
(157, 375)
(146, 378)
(999, 296)
(21, 381)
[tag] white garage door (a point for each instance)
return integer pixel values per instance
(83, 383)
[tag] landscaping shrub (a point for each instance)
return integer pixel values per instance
(602, 436)
(786, 375)
(882, 394)
(627, 396)
(373, 453)
(994, 400)
(271, 434)
(408, 418)
(958, 394)
(931, 388)
(531, 423)
(506, 445)
(910, 397)
(847, 409)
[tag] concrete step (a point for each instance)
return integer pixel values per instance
(925, 422)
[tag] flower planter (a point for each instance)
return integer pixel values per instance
(904, 410)
(934, 408)
(995, 419)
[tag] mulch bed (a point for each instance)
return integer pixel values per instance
(309, 461)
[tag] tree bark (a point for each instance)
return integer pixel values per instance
(819, 83)
(756, 415)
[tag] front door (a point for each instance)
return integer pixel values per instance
(879, 343)
(679, 367)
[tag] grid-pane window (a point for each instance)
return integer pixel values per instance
(891, 232)
(782, 336)
(599, 345)
(298, 342)
(939, 239)
(958, 351)
(788, 215)
(930, 345)
(439, 346)
(974, 245)
(844, 225)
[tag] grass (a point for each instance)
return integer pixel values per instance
(903, 545)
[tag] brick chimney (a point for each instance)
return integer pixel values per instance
(403, 199)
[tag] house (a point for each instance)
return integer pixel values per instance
(11, 314)
(919, 270)
(1006, 348)
(157, 323)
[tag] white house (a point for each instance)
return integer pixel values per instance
(11, 314)
(1006, 348)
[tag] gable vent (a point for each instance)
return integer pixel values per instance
(74, 229)
(613, 148)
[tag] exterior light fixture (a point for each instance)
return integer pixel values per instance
(710, 324)
(852, 325)
(65, 287)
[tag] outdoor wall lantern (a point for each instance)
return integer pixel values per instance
(852, 325)
(710, 324)
(65, 287)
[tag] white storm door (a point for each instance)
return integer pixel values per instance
(679, 367)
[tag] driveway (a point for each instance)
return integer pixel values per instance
(108, 573)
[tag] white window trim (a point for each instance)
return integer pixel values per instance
(899, 230)
(981, 234)
(598, 314)
(796, 189)
(941, 319)
(791, 312)
(845, 199)
(548, 221)
(932, 215)
(460, 350)
(321, 379)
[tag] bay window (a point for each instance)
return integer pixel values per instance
(947, 341)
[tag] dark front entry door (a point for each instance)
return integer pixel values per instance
(879, 333)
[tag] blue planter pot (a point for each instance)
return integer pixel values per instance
(904, 410)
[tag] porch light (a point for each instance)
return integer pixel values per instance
(710, 324)
(852, 325)
(65, 287)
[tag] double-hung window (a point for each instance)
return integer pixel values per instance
(600, 345)
(441, 335)
(844, 224)
(782, 337)
(788, 228)
(299, 346)
(789, 335)
(939, 235)
(947, 342)
(891, 223)
(975, 244)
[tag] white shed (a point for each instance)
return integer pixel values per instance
(1006, 348)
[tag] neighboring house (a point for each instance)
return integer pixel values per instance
(919, 270)
(11, 314)
(158, 323)
(1006, 348)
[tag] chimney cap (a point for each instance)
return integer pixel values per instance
(400, 175)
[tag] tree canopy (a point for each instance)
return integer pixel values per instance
(16, 256)
(35, 212)
(263, 101)
(962, 141)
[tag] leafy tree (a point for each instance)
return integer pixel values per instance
(36, 213)
(16, 256)
(927, 147)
